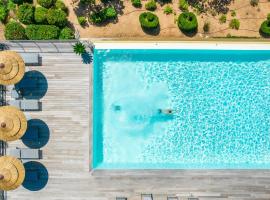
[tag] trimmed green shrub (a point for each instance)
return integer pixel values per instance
(41, 15)
(46, 3)
(42, 32)
(149, 20)
(103, 15)
(57, 17)
(3, 12)
(26, 13)
(206, 27)
(136, 3)
(168, 10)
(110, 12)
(268, 16)
(59, 4)
(183, 5)
(66, 34)
(223, 19)
(235, 24)
(265, 28)
(82, 20)
(14, 31)
(151, 5)
(233, 13)
(254, 2)
(187, 22)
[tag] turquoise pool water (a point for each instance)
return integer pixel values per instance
(220, 102)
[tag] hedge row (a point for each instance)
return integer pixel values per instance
(15, 31)
(41, 15)
(42, 32)
(26, 13)
(45, 22)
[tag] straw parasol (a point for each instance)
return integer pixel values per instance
(12, 67)
(12, 173)
(13, 123)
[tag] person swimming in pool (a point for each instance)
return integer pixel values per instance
(165, 111)
(117, 107)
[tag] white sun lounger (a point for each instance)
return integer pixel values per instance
(30, 59)
(26, 105)
(172, 198)
(147, 197)
(26, 154)
(30, 105)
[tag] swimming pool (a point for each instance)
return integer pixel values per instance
(220, 102)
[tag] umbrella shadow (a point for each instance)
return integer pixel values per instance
(37, 134)
(36, 176)
(34, 85)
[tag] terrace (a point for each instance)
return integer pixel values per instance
(67, 110)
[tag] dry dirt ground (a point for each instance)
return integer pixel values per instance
(128, 23)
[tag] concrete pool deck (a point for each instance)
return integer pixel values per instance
(66, 109)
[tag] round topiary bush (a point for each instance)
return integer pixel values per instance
(57, 17)
(187, 22)
(149, 20)
(66, 34)
(41, 15)
(14, 31)
(46, 3)
(26, 13)
(42, 32)
(136, 3)
(265, 28)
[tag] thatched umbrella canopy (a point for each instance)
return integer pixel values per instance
(13, 123)
(12, 173)
(12, 67)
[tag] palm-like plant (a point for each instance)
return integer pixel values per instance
(79, 48)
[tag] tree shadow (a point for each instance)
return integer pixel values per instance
(264, 35)
(36, 176)
(37, 134)
(87, 57)
(189, 33)
(34, 85)
(163, 2)
(153, 32)
(4, 47)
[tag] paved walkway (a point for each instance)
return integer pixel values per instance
(66, 109)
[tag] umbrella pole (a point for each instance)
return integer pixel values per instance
(3, 125)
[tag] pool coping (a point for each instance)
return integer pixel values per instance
(215, 45)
